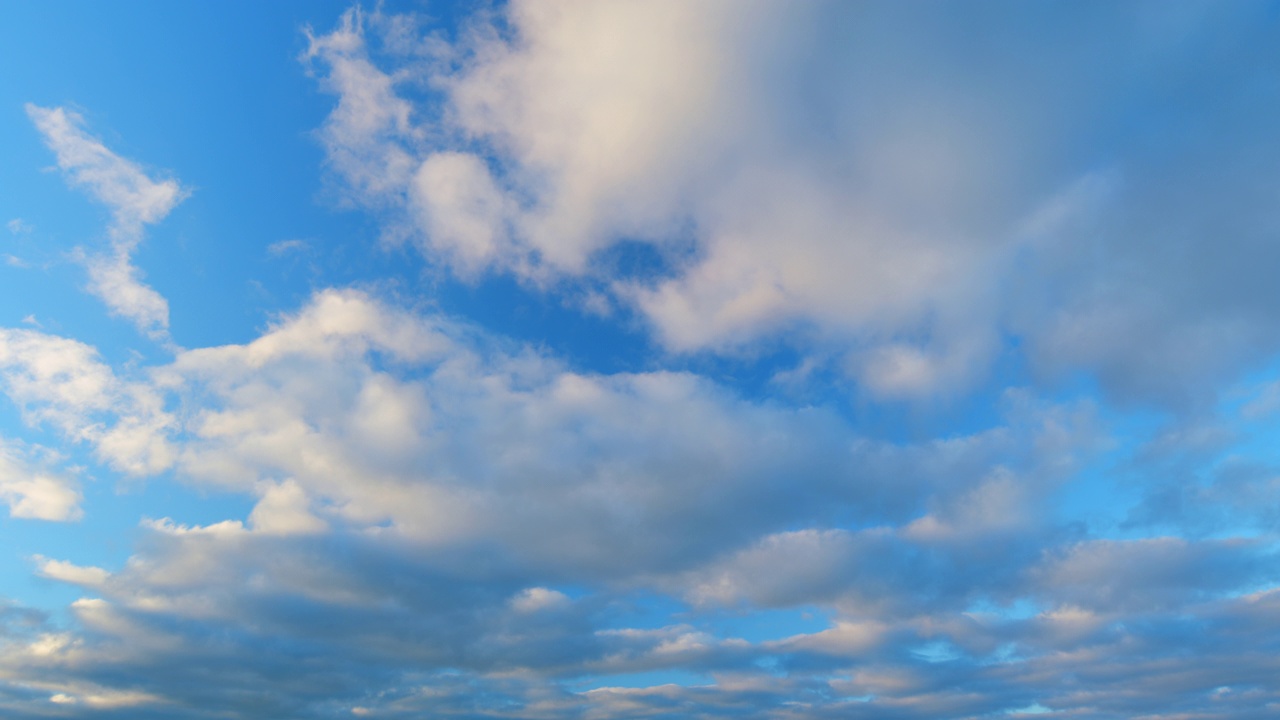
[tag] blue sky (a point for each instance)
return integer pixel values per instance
(622, 360)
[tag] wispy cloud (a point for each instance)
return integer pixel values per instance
(285, 247)
(135, 201)
(18, 226)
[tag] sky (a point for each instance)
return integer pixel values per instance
(595, 360)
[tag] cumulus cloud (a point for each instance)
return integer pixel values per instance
(32, 491)
(863, 182)
(64, 384)
(135, 201)
(283, 511)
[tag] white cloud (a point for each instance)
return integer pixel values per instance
(134, 198)
(284, 247)
(32, 491)
(116, 280)
(417, 427)
(803, 175)
(65, 384)
(638, 121)
(537, 599)
(283, 510)
(364, 135)
(84, 576)
(463, 211)
(135, 201)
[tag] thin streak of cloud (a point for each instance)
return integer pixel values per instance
(135, 201)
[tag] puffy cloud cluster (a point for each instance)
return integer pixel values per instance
(897, 189)
(454, 525)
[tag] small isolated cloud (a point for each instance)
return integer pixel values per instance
(285, 247)
(90, 578)
(135, 201)
(65, 385)
(18, 226)
(285, 510)
(537, 599)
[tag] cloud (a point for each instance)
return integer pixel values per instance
(1150, 573)
(434, 492)
(865, 184)
(32, 491)
(135, 201)
(538, 599)
(87, 577)
(65, 384)
(460, 441)
(117, 281)
(284, 247)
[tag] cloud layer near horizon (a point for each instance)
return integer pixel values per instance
(433, 501)
(921, 204)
